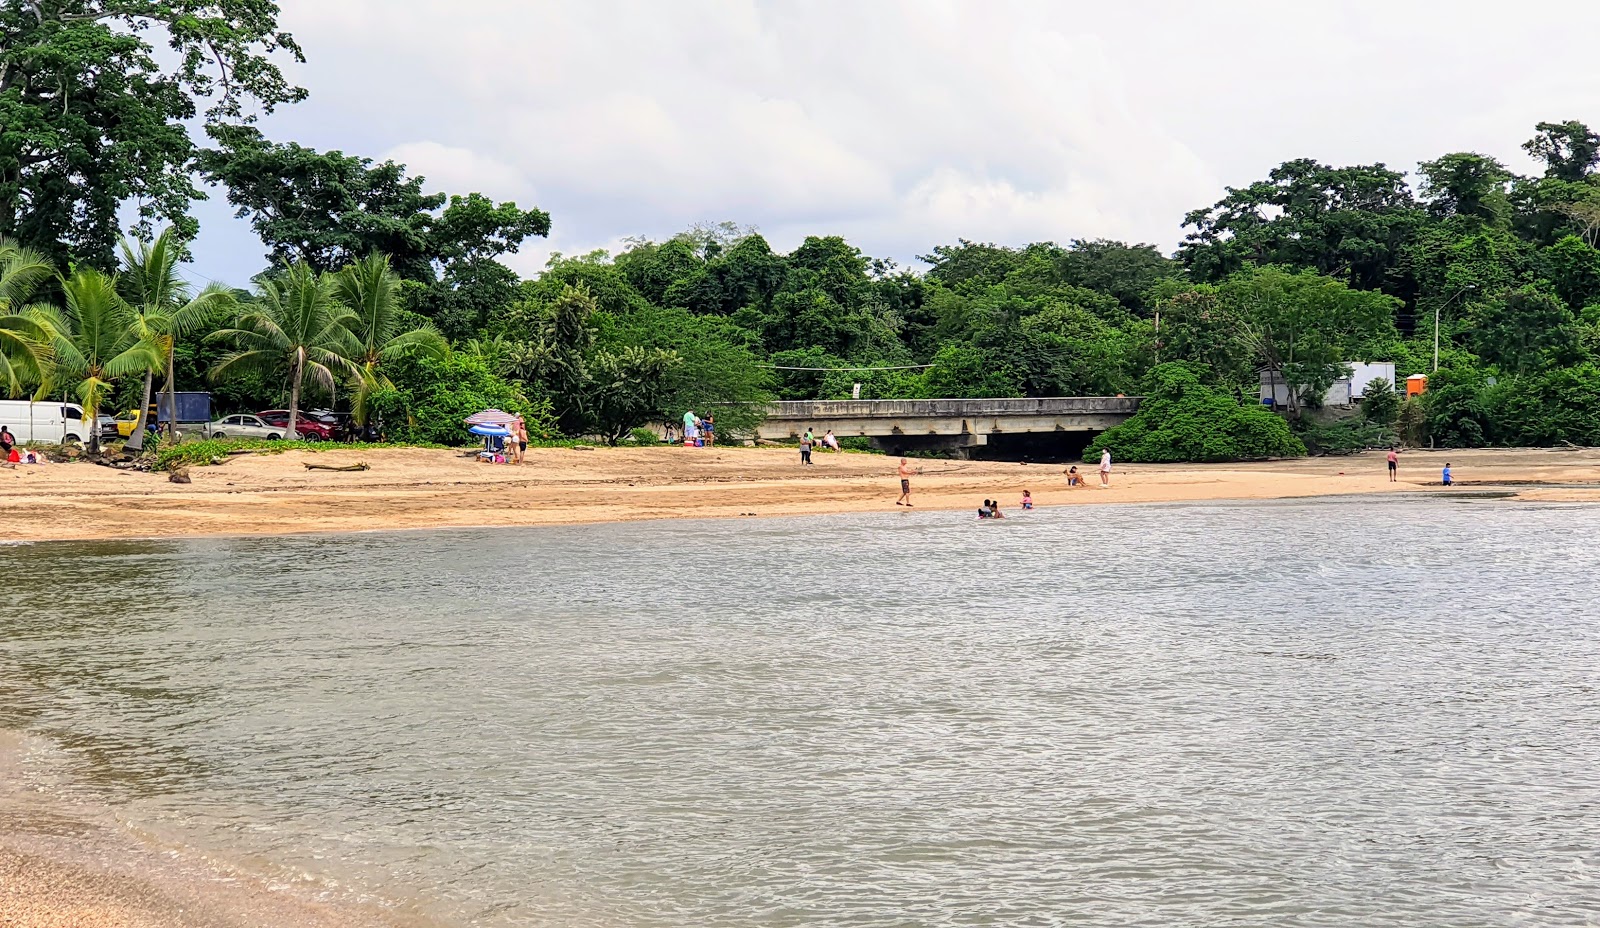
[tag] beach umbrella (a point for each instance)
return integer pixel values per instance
(490, 431)
(491, 417)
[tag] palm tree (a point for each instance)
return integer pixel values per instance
(25, 351)
(295, 326)
(97, 339)
(371, 291)
(168, 309)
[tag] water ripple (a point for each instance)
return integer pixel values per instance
(1377, 713)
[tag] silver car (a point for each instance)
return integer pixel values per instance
(242, 426)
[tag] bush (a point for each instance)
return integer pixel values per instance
(643, 436)
(1344, 436)
(216, 450)
(1181, 419)
(1379, 403)
(431, 398)
(1558, 407)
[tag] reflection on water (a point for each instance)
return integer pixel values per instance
(1369, 712)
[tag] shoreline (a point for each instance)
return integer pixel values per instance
(414, 489)
(65, 863)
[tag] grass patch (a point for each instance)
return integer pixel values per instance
(216, 450)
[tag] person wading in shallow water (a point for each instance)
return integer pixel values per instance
(906, 473)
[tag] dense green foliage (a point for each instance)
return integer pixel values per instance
(1182, 419)
(391, 299)
(427, 398)
(92, 115)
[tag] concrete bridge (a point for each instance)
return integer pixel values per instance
(928, 425)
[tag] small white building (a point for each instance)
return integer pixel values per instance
(1345, 391)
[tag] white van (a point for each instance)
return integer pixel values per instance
(49, 423)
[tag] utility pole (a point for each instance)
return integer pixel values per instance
(1436, 311)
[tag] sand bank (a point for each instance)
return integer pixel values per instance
(414, 488)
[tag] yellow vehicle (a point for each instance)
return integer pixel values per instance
(129, 420)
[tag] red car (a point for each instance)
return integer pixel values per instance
(309, 429)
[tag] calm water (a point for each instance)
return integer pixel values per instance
(1344, 713)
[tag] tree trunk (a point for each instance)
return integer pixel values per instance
(136, 440)
(171, 396)
(294, 395)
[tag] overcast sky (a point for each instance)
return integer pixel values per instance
(903, 125)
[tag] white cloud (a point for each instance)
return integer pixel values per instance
(907, 123)
(458, 170)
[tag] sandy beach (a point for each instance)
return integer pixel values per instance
(263, 494)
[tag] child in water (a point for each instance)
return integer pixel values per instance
(994, 510)
(983, 511)
(1027, 500)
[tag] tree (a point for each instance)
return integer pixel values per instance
(329, 209)
(716, 370)
(93, 117)
(1568, 149)
(551, 353)
(1351, 223)
(295, 328)
(627, 388)
(1467, 185)
(1379, 404)
(1181, 419)
(97, 338)
(370, 291)
(167, 309)
(1301, 327)
(1525, 330)
(1127, 272)
(427, 399)
(25, 348)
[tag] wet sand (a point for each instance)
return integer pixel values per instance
(65, 866)
(263, 494)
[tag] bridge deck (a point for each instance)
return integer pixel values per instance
(945, 423)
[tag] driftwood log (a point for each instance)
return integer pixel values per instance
(360, 465)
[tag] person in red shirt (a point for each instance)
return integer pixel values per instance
(1394, 465)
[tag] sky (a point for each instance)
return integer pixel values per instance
(904, 124)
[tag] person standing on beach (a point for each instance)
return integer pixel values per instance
(1105, 469)
(522, 439)
(1394, 465)
(691, 426)
(1447, 481)
(805, 448)
(906, 472)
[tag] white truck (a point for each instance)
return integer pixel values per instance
(47, 423)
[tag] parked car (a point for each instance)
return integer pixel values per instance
(308, 426)
(243, 426)
(107, 426)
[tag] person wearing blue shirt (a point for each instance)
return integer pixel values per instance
(1447, 474)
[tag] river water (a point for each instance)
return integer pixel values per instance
(1336, 713)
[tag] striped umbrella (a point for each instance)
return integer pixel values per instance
(491, 417)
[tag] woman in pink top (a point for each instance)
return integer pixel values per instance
(1394, 465)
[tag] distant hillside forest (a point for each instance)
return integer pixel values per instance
(381, 296)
